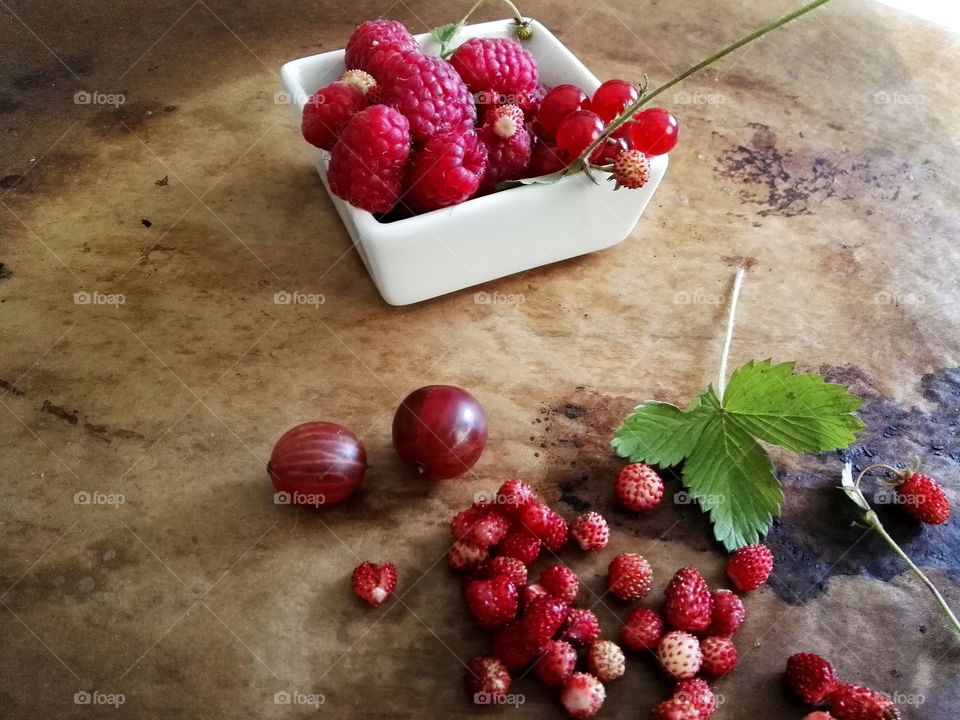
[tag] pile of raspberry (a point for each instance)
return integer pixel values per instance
(411, 133)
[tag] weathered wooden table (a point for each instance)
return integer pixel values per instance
(825, 157)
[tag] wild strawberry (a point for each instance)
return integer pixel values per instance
(512, 496)
(542, 618)
(591, 531)
(556, 664)
(581, 627)
(521, 545)
(492, 603)
(810, 677)
(507, 157)
(679, 654)
(374, 584)
(479, 525)
(687, 603)
(719, 656)
(629, 577)
(487, 680)
(513, 649)
(546, 524)
(642, 631)
(529, 592)
(362, 81)
(606, 661)
(582, 695)
(674, 709)
(504, 119)
(558, 534)
(923, 498)
(631, 169)
(819, 715)
(749, 567)
(698, 693)
(510, 568)
(561, 582)
(464, 557)
(327, 112)
(851, 702)
(728, 614)
(638, 487)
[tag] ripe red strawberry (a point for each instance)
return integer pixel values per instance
(810, 677)
(373, 41)
(512, 648)
(561, 582)
(508, 158)
(521, 545)
(503, 119)
(638, 487)
(728, 614)
(546, 524)
(529, 592)
(698, 693)
(492, 603)
(582, 695)
(719, 656)
(464, 557)
(642, 631)
(923, 498)
(819, 715)
(479, 525)
(487, 679)
(850, 702)
(542, 618)
(606, 661)
(749, 567)
(591, 531)
(581, 627)
(556, 664)
(687, 602)
(510, 568)
(512, 496)
(374, 584)
(327, 112)
(629, 577)
(631, 169)
(495, 65)
(674, 709)
(558, 534)
(679, 654)
(445, 170)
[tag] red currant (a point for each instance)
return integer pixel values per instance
(654, 131)
(609, 150)
(577, 131)
(612, 97)
(557, 104)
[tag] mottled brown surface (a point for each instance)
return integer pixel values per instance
(198, 597)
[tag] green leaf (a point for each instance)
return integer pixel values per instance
(446, 33)
(659, 434)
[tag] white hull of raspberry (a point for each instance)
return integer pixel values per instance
(488, 237)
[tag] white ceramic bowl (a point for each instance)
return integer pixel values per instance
(487, 237)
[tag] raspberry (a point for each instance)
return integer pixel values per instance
(507, 158)
(495, 65)
(638, 488)
(591, 531)
(631, 169)
(561, 582)
(719, 656)
(546, 159)
(487, 680)
(512, 496)
(464, 557)
(492, 603)
(642, 631)
(374, 584)
(521, 545)
(372, 42)
(530, 101)
(582, 695)
(581, 627)
(687, 602)
(749, 567)
(367, 163)
(679, 654)
(810, 677)
(428, 92)
(556, 664)
(510, 568)
(629, 577)
(327, 111)
(445, 171)
(728, 614)
(675, 709)
(605, 659)
(698, 693)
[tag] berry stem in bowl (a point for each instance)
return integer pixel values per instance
(446, 34)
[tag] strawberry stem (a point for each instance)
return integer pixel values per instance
(728, 340)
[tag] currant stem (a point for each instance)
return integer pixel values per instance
(728, 341)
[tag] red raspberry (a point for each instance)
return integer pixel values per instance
(327, 111)
(546, 159)
(810, 677)
(368, 162)
(428, 92)
(591, 531)
(719, 656)
(638, 487)
(530, 101)
(561, 582)
(374, 584)
(512, 496)
(749, 567)
(629, 577)
(492, 603)
(698, 693)
(507, 158)
(445, 171)
(495, 64)
(582, 695)
(642, 631)
(510, 568)
(488, 678)
(728, 614)
(464, 557)
(520, 544)
(556, 664)
(581, 627)
(687, 602)
(372, 42)
(605, 660)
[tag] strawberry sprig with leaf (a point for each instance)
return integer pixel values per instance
(718, 437)
(446, 34)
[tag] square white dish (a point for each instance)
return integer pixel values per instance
(489, 237)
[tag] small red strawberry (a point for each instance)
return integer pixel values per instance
(374, 584)
(819, 715)
(810, 677)
(511, 568)
(923, 498)
(728, 614)
(521, 545)
(674, 709)
(556, 664)
(719, 656)
(631, 169)
(479, 525)
(629, 577)
(542, 618)
(581, 627)
(464, 557)
(558, 534)
(545, 523)
(642, 631)
(687, 602)
(512, 496)
(529, 592)
(591, 531)
(512, 648)
(504, 120)
(561, 582)
(582, 695)
(638, 488)
(749, 567)
(851, 702)
(487, 680)
(492, 603)
(679, 654)
(698, 693)
(606, 661)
